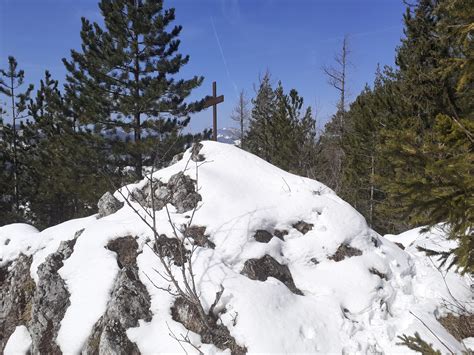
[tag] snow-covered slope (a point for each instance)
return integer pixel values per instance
(340, 287)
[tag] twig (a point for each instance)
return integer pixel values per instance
(414, 315)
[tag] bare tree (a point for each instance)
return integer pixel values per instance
(241, 114)
(337, 73)
(332, 152)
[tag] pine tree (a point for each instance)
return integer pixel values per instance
(11, 81)
(429, 151)
(258, 139)
(123, 77)
(279, 132)
(60, 160)
(418, 344)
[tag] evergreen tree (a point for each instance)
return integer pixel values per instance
(258, 138)
(279, 132)
(428, 152)
(61, 161)
(11, 81)
(123, 77)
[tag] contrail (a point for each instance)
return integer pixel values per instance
(223, 59)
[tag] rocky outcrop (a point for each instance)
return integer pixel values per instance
(108, 204)
(171, 248)
(129, 302)
(16, 295)
(345, 251)
(199, 236)
(261, 269)
(50, 301)
(183, 193)
(280, 233)
(263, 236)
(195, 155)
(187, 314)
(303, 227)
(180, 191)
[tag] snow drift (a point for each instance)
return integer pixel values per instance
(300, 269)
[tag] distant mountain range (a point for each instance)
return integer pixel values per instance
(228, 135)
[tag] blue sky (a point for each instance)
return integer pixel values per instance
(293, 39)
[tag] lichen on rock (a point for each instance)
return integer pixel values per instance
(50, 301)
(16, 294)
(108, 204)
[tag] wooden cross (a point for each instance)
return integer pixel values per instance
(213, 101)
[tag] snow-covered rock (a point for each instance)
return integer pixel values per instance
(108, 204)
(297, 268)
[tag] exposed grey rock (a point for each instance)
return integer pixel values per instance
(400, 245)
(195, 156)
(108, 204)
(198, 235)
(261, 269)
(263, 236)
(126, 249)
(378, 273)
(50, 301)
(176, 158)
(171, 248)
(16, 293)
(180, 191)
(211, 333)
(345, 251)
(129, 302)
(303, 227)
(280, 233)
(184, 196)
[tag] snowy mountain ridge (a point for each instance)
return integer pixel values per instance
(298, 269)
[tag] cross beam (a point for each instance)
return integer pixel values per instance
(213, 101)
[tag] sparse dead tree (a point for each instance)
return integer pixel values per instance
(337, 74)
(332, 153)
(241, 114)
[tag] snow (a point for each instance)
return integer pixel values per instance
(345, 307)
(19, 342)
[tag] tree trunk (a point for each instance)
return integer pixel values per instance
(16, 192)
(137, 124)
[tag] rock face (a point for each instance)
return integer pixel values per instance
(129, 302)
(108, 204)
(261, 269)
(345, 251)
(195, 155)
(280, 233)
(16, 294)
(180, 191)
(263, 236)
(199, 237)
(183, 194)
(211, 333)
(303, 227)
(50, 301)
(171, 248)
